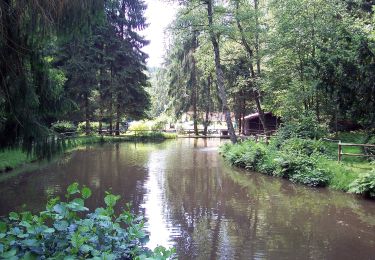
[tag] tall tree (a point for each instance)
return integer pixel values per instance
(219, 72)
(30, 95)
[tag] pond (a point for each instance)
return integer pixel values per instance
(193, 200)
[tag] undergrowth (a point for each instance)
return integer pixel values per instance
(306, 161)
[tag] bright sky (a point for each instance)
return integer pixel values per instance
(159, 14)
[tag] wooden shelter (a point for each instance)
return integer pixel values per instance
(253, 125)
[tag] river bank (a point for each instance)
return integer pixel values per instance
(306, 161)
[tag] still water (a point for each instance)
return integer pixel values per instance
(203, 207)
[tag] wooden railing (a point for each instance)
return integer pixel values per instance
(341, 145)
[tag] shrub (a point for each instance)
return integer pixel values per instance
(303, 146)
(290, 163)
(306, 127)
(65, 231)
(311, 177)
(297, 160)
(364, 184)
(302, 169)
(268, 165)
(159, 123)
(139, 126)
(63, 127)
(94, 126)
(234, 153)
(253, 158)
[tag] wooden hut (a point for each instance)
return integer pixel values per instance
(253, 125)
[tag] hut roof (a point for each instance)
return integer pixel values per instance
(256, 115)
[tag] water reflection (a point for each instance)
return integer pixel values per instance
(156, 208)
(205, 208)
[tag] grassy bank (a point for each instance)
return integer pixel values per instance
(11, 159)
(309, 162)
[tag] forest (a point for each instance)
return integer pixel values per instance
(294, 58)
(84, 62)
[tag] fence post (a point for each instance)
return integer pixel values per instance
(339, 151)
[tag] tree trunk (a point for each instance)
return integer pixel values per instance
(240, 124)
(257, 43)
(110, 117)
(101, 112)
(208, 104)
(118, 116)
(220, 75)
(101, 90)
(87, 114)
(194, 93)
(195, 118)
(250, 52)
(110, 110)
(261, 115)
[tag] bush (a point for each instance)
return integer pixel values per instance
(364, 184)
(65, 231)
(306, 127)
(303, 146)
(292, 163)
(94, 126)
(301, 168)
(311, 177)
(253, 157)
(269, 164)
(159, 123)
(234, 153)
(139, 126)
(63, 127)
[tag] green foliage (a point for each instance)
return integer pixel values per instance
(11, 158)
(364, 184)
(311, 177)
(63, 127)
(342, 174)
(66, 230)
(303, 146)
(94, 127)
(140, 126)
(301, 168)
(305, 126)
(32, 88)
(310, 162)
(158, 124)
(296, 160)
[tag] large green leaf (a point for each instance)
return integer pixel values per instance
(86, 193)
(73, 188)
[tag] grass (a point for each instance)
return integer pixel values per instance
(344, 173)
(13, 158)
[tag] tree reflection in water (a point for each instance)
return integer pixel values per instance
(205, 208)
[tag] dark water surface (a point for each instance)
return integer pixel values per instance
(208, 210)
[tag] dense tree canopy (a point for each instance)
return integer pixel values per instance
(60, 56)
(82, 61)
(289, 57)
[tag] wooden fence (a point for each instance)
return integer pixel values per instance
(341, 145)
